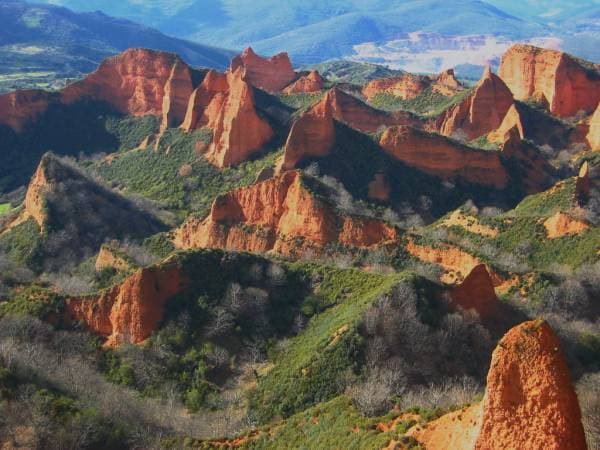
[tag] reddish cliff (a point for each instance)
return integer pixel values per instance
(110, 257)
(313, 82)
(406, 86)
(476, 292)
(562, 224)
(564, 84)
(20, 107)
(279, 215)
(530, 401)
(360, 116)
(512, 120)
(131, 311)
(593, 136)
(481, 112)
(448, 79)
(270, 74)
(134, 82)
(178, 89)
(442, 157)
(35, 200)
(313, 134)
(200, 105)
(238, 130)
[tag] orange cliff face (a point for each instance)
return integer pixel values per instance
(406, 86)
(225, 103)
(35, 201)
(134, 82)
(555, 78)
(593, 136)
(178, 89)
(238, 130)
(360, 116)
(131, 311)
(530, 402)
(313, 134)
(270, 74)
(481, 112)
(476, 292)
(443, 157)
(313, 82)
(21, 107)
(279, 215)
(529, 389)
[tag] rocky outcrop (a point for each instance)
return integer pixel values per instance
(512, 120)
(561, 82)
(178, 89)
(60, 197)
(110, 257)
(457, 430)
(582, 185)
(131, 311)
(562, 224)
(311, 135)
(406, 86)
(205, 101)
(135, 82)
(457, 264)
(313, 82)
(270, 74)
(238, 130)
(279, 215)
(481, 112)
(529, 389)
(447, 79)
(443, 157)
(593, 137)
(350, 110)
(476, 292)
(19, 108)
(530, 402)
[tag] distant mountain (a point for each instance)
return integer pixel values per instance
(415, 35)
(41, 45)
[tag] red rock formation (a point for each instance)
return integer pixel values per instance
(557, 79)
(270, 74)
(279, 215)
(129, 312)
(313, 134)
(110, 257)
(238, 131)
(134, 83)
(448, 79)
(20, 107)
(442, 157)
(562, 224)
(178, 89)
(360, 116)
(476, 292)
(481, 112)
(313, 82)
(406, 86)
(593, 136)
(40, 184)
(511, 120)
(530, 402)
(199, 108)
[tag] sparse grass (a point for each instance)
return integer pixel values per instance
(301, 100)
(429, 103)
(5, 207)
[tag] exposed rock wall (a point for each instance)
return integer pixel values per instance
(565, 85)
(270, 74)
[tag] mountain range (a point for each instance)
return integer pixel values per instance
(313, 31)
(41, 45)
